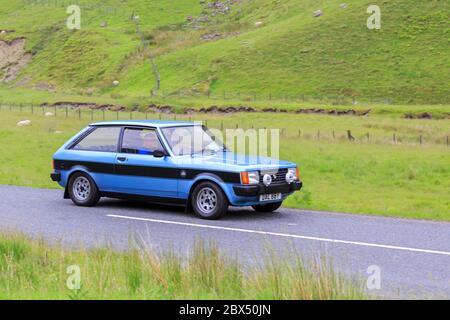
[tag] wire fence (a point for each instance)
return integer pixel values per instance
(376, 95)
(222, 122)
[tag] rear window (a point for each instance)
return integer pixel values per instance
(103, 139)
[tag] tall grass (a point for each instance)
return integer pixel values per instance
(31, 269)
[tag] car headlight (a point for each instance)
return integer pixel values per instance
(292, 175)
(250, 177)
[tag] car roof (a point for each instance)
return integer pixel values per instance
(146, 123)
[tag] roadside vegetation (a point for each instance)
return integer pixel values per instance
(393, 167)
(33, 269)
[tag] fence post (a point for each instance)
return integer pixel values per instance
(67, 111)
(146, 114)
(368, 136)
(103, 114)
(92, 114)
(349, 135)
(299, 133)
(117, 114)
(79, 113)
(32, 109)
(334, 135)
(447, 141)
(420, 139)
(55, 109)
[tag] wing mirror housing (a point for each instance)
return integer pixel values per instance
(159, 154)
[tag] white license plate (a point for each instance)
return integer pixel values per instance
(270, 197)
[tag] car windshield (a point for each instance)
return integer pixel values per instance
(186, 140)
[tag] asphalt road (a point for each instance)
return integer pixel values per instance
(413, 256)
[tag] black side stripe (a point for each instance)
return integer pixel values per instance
(145, 171)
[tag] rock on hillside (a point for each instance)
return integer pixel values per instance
(13, 58)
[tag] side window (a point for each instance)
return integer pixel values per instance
(140, 141)
(101, 139)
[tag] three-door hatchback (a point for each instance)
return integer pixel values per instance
(169, 162)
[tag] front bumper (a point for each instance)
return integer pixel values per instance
(256, 190)
(55, 176)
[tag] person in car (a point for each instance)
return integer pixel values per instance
(150, 142)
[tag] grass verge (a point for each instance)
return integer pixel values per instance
(31, 269)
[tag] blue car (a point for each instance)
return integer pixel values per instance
(170, 162)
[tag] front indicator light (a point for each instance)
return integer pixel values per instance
(244, 178)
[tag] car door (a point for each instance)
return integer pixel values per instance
(138, 171)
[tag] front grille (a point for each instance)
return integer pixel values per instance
(278, 176)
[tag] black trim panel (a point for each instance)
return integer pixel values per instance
(97, 167)
(145, 171)
(55, 176)
(152, 199)
(256, 190)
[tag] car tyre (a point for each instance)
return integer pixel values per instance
(82, 190)
(209, 201)
(270, 207)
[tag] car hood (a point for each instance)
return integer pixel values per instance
(233, 162)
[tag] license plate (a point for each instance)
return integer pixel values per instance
(270, 197)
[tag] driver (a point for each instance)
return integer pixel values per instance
(149, 141)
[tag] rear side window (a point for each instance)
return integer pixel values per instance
(140, 141)
(101, 139)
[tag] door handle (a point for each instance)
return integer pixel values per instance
(121, 159)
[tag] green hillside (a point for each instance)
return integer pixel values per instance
(264, 48)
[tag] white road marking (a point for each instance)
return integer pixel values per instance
(286, 235)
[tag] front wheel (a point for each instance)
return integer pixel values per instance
(83, 190)
(267, 207)
(209, 201)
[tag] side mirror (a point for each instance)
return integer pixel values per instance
(159, 153)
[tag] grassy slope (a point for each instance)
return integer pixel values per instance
(31, 269)
(72, 60)
(404, 179)
(292, 53)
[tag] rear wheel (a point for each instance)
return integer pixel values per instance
(83, 190)
(267, 207)
(209, 201)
